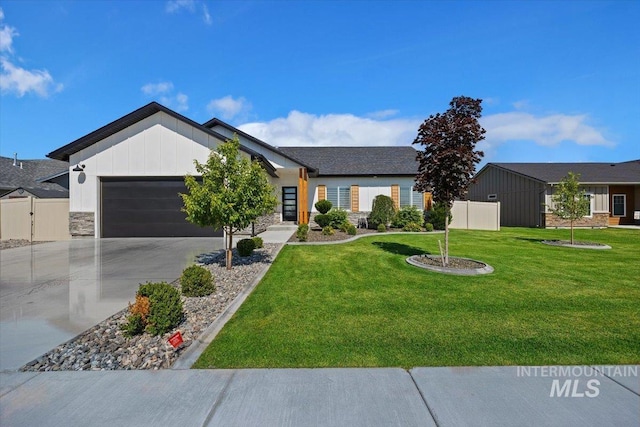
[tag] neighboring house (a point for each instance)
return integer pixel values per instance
(125, 177)
(37, 178)
(524, 191)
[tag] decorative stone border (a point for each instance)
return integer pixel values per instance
(448, 270)
(565, 244)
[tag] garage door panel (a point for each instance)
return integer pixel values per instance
(147, 207)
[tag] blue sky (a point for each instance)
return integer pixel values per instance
(560, 81)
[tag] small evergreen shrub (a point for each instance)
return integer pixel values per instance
(258, 242)
(407, 215)
(382, 211)
(428, 227)
(134, 326)
(412, 227)
(245, 247)
(322, 220)
(337, 217)
(196, 281)
(345, 226)
(436, 216)
(303, 232)
(328, 231)
(323, 206)
(381, 228)
(165, 307)
(351, 230)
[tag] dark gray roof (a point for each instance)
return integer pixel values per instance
(43, 193)
(595, 173)
(341, 161)
(12, 177)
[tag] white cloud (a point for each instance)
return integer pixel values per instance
(383, 114)
(334, 130)
(206, 17)
(547, 131)
(164, 92)
(15, 79)
(229, 108)
(173, 6)
(521, 105)
(157, 88)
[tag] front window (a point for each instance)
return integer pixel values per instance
(340, 197)
(619, 204)
(410, 197)
(589, 197)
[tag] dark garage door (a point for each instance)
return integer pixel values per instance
(143, 207)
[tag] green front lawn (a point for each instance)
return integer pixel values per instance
(359, 304)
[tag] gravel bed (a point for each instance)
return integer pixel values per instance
(315, 235)
(105, 347)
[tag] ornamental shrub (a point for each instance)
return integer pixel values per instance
(382, 211)
(381, 228)
(351, 230)
(328, 231)
(323, 206)
(345, 226)
(196, 281)
(407, 215)
(303, 232)
(258, 242)
(428, 227)
(337, 217)
(245, 247)
(412, 227)
(134, 326)
(322, 220)
(165, 307)
(436, 215)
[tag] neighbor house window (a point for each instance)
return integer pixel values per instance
(619, 204)
(590, 198)
(340, 197)
(410, 197)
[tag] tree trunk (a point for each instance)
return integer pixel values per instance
(446, 236)
(229, 252)
(571, 222)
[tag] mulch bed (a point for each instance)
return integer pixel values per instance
(315, 235)
(460, 263)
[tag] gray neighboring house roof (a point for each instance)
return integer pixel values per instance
(367, 161)
(44, 194)
(590, 173)
(32, 175)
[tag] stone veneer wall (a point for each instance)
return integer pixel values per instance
(352, 217)
(262, 223)
(597, 220)
(82, 224)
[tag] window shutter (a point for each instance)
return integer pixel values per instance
(395, 195)
(322, 192)
(355, 198)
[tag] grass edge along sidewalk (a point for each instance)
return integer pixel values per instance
(361, 305)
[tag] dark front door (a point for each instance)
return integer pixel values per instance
(289, 203)
(147, 207)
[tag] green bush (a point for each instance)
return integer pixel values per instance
(412, 227)
(303, 232)
(436, 216)
(328, 231)
(165, 311)
(322, 220)
(134, 326)
(428, 227)
(196, 281)
(345, 226)
(382, 211)
(245, 247)
(323, 206)
(337, 217)
(351, 230)
(381, 228)
(259, 243)
(407, 215)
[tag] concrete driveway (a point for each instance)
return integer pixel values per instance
(51, 292)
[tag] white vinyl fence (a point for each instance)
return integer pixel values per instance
(34, 219)
(476, 215)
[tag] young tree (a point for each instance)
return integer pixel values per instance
(233, 193)
(448, 161)
(569, 201)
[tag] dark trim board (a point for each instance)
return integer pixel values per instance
(146, 207)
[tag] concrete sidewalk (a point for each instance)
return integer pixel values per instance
(478, 396)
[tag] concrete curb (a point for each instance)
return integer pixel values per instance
(568, 245)
(448, 270)
(191, 354)
(351, 239)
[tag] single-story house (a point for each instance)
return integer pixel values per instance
(125, 177)
(524, 191)
(42, 178)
